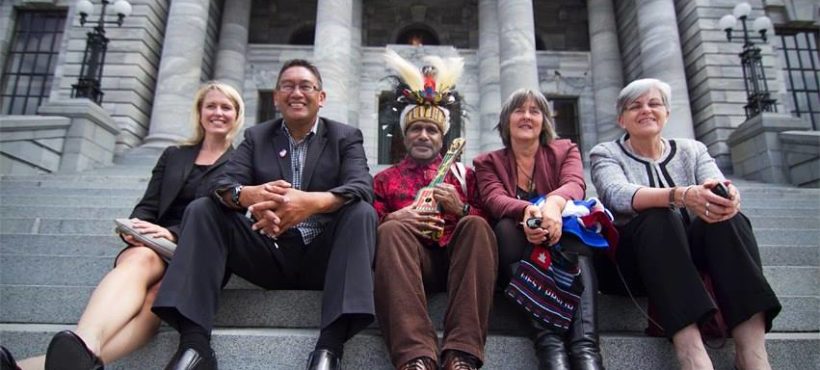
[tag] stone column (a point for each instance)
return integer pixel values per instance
(333, 53)
(607, 69)
(179, 72)
(353, 106)
(517, 40)
(233, 43)
(661, 58)
(488, 73)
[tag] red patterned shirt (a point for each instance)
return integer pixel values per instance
(396, 187)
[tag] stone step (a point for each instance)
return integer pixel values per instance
(301, 309)
(46, 190)
(51, 187)
(62, 245)
(137, 177)
(61, 200)
(65, 212)
(135, 192)
(770, 230)
(114, 211)
(287, 349)
(127, 200)
(87, 182)
(88, 270)
(110, 245)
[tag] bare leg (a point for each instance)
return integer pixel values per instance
(119, 297)
(689, 349)
(750, 344)
(33, 363)
(135, 334)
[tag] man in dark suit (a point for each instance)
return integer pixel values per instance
(291, 212)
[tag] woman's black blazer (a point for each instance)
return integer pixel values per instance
(168, 178)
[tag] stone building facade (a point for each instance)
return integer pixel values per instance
(578, 53)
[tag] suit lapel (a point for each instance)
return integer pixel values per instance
(281, 148)
(315, 148)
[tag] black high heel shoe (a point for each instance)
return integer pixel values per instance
(7, 360)
(67, 351)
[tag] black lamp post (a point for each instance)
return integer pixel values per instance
(754, 76)
(88, 84)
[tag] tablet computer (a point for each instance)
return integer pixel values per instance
(164, 247)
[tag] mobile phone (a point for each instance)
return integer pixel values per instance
(721, 190)
(533, 222)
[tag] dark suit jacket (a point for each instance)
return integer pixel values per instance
(558, 171)
(335, 161)
(168, 178)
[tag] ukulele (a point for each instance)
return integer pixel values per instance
(425, 202)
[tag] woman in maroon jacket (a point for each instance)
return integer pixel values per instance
(534, 163)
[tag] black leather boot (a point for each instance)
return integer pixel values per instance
(550, 349)
(584, 352)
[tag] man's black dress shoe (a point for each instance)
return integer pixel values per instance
(67, 351)
(7, 360)
(322, 359)
(190, 359)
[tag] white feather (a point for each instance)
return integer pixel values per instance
(448, 71)
(409, 73)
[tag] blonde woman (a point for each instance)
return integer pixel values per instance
(118, 318)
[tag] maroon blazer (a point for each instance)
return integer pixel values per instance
(558, 171)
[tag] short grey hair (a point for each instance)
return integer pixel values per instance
(638, 88)
(515, 101)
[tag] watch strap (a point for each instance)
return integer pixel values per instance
(672, 204)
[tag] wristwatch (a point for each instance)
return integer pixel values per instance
(235, 195)
(672, 204)
(465, 210)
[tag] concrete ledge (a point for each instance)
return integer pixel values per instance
(756, 149)
(801, 150)
(90, 139)
(31, 144)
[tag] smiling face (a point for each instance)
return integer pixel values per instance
(298, 96)
(526, 122)
(217, 114)
(423, 140)
(645, 117)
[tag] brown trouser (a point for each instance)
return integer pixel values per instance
(406, 268)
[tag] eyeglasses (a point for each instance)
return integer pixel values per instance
(303, 88)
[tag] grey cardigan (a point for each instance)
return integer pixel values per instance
(618, 173)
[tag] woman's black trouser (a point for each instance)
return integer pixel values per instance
(660, 256)
(578, 349)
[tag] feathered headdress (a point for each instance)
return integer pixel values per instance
(427, 91)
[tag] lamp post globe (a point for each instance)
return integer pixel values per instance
(88, 83)
(758, 99)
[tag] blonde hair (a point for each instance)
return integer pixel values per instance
(196, 111)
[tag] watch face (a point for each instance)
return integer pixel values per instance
(235, 195)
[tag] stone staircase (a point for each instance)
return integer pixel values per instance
(57, 241)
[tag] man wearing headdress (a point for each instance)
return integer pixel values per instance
(411, 261)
